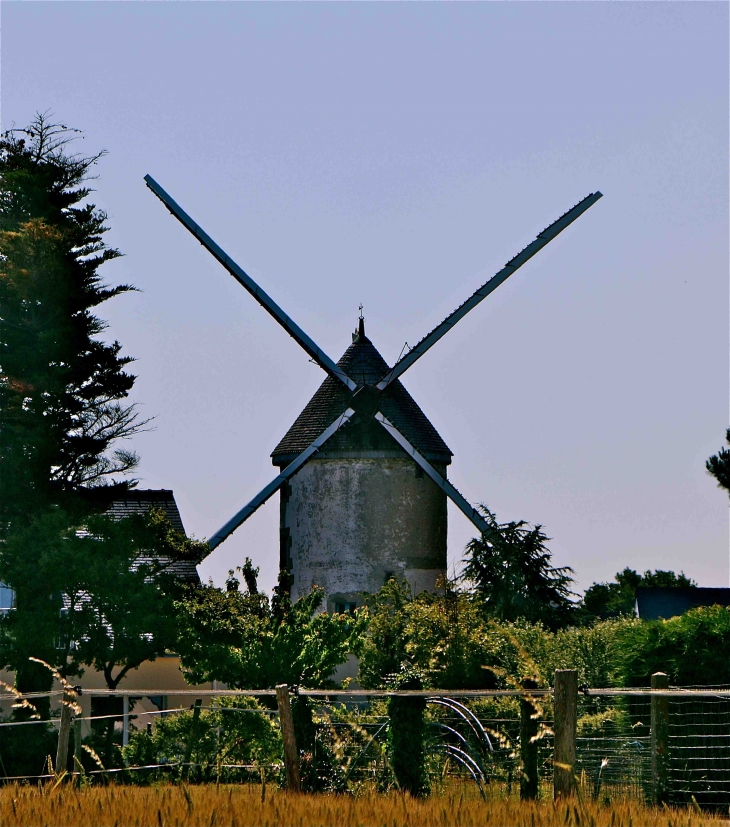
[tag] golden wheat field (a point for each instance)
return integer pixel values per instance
(176, 805)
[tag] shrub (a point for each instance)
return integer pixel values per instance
(693, 649)
(235, 731)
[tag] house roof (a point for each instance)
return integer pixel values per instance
(364, 365)
(140, 501)
(654, 603)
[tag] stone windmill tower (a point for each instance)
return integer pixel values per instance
(361, 510)
(362, 470)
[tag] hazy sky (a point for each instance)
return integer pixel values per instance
(397, 155)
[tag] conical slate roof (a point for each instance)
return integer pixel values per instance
(364, 365)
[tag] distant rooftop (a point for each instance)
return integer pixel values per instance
(141, 501)
(364, 365)
(655, 603)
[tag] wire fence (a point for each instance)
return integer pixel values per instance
(613, 745)
(472, 736)
(699, 750)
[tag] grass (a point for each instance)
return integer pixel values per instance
(176, 805)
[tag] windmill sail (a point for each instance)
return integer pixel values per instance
(278, 481)
(291, 327)
(469, 511)
(544, 238)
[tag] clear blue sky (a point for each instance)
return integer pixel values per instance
(398, 155)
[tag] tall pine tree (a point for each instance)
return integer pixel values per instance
(62, 389)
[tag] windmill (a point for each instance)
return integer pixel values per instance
(358, 513)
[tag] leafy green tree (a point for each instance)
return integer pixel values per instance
(62, 389)
(605, 600)
(112, 595)
(121, 609)
(719, 465)
(511, 574)
(103, 591)
(592, 650)
(251, 642)
(624, 651)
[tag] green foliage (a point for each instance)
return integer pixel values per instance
(453, 646)
(443, 636)
(389, 631)
(592, 650)
(233, 731)
(407, 733)
(119, 593)
(447, 638)
(250, 642)
(609, 723)
(719, 465)
(121, 605)
(693, 649)
(604, 600)
(510, 570)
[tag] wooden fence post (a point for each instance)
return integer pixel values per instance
(77, 742)
(192, 738)
(63, 733)
(659, 740)
(528, 747)
(566, 719)
(291, 754)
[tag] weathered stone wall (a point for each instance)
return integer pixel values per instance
(348, 524)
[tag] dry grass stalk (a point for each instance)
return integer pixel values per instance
(244, 806)
(20, 701)
(69, 691)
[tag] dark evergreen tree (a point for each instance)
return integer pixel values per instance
(719, 465)
(512, 576)
(62, 389)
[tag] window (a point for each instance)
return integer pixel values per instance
(7, 598)
(108, 710)
(284, 549)
(345, 608)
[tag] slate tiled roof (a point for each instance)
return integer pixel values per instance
(654, 602)
(364, 365)
(140, 502)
